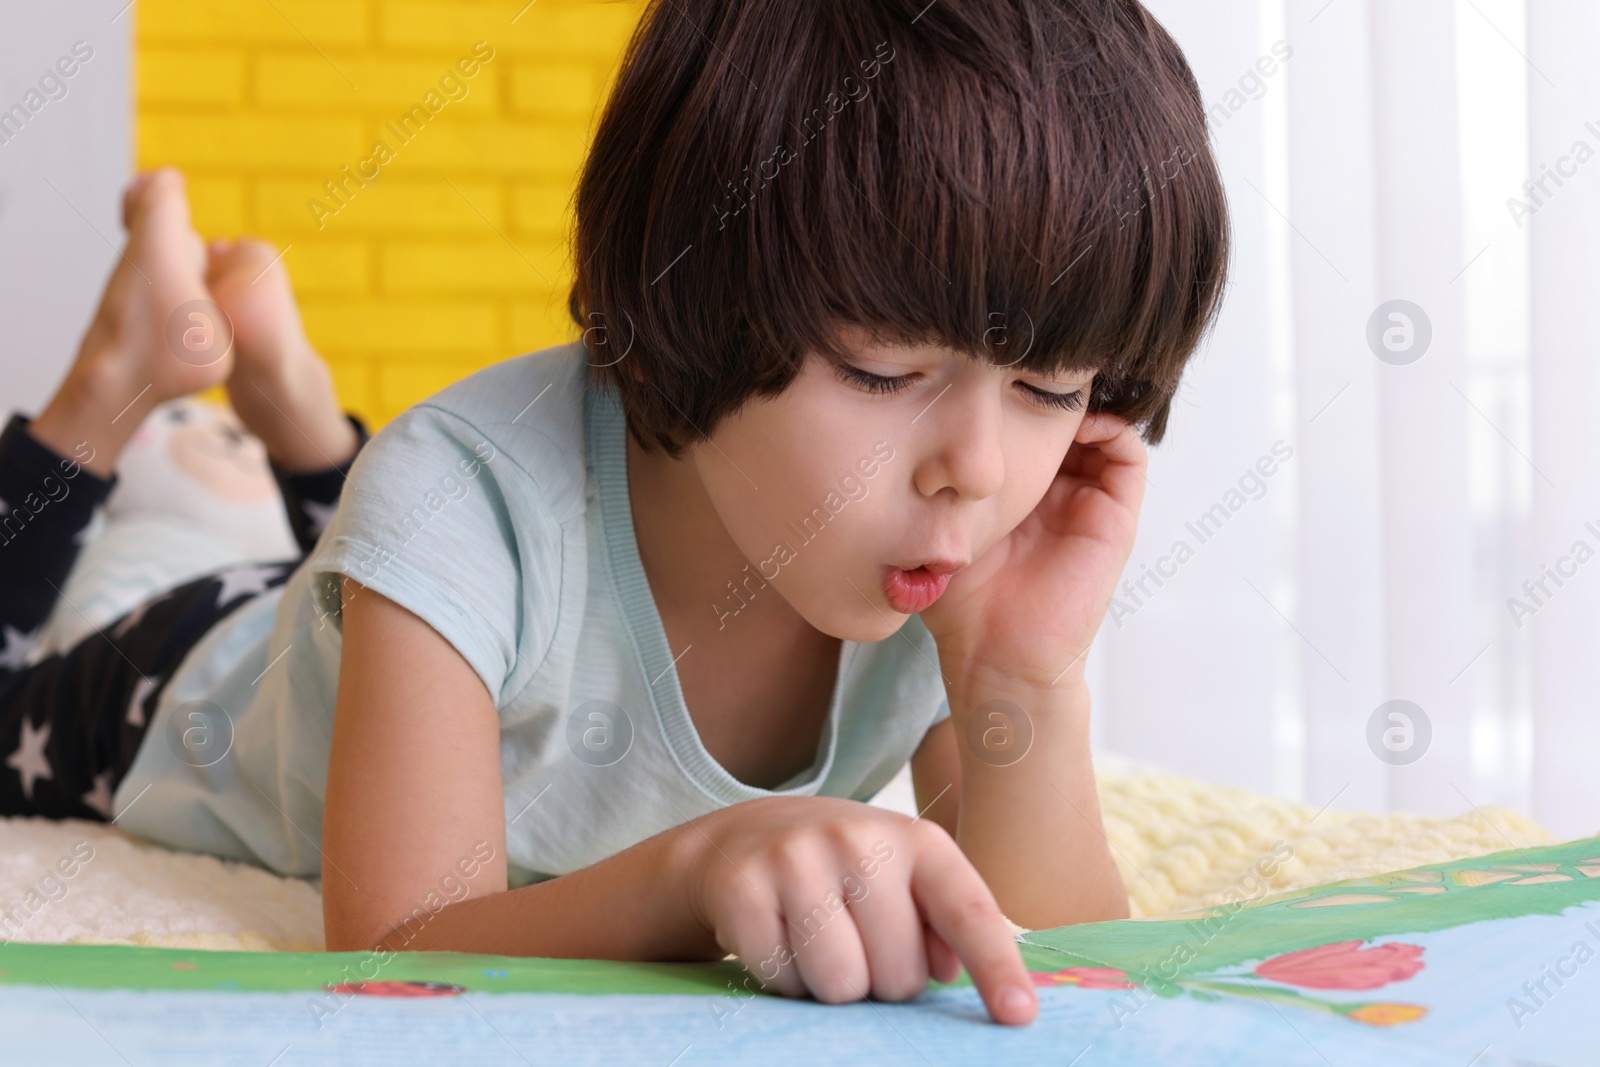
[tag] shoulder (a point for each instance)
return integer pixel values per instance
(521, 418)
(461, 510)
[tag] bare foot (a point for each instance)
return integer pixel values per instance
(155, 336)
(280, 387)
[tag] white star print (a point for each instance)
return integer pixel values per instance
(141, 692)
(99, 798)
(18, 646)
(246, 580)
(319, 514)
(29, 758)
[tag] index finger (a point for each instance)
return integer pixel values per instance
(955, 901)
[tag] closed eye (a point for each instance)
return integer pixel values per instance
(1072, 401)
(877, 383)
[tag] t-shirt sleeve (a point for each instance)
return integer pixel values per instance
(438, 519)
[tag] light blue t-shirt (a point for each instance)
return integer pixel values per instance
(498, 512)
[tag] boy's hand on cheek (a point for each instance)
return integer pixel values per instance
(1025, 612)
(841, 900)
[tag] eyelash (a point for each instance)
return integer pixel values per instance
(877, 383)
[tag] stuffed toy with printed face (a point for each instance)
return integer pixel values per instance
(195, 495)
(194, 460)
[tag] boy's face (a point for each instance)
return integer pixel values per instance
(829, 485)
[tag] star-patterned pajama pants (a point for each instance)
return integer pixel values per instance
(71, 722)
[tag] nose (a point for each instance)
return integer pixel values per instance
(965, 441)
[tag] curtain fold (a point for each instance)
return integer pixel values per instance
(1564, 268)
(1428, 353)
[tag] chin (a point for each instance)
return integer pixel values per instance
(839, 610)
(866, 626)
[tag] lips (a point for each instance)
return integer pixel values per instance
(940, 565)
(912, 589)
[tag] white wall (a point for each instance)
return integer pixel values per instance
(61, 178)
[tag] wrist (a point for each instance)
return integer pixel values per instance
(1000, 723)
(682, 864)
(978, 670)
(972, 685)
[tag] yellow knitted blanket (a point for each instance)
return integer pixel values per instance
(1183, 844)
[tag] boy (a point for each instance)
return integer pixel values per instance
(606, 645)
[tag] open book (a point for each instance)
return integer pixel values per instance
(1494, 960)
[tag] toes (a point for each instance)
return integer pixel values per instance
(219, 259)
(197, 254)
(160, 205)
(130, 197)
(256, 252)
(245, 258)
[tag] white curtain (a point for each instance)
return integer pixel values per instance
(1384, 468)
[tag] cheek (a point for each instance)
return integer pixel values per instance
(773, 488)
(786, 471)
(1031, 472)
(779, 458)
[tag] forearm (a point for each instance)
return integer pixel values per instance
(1030, 820)
(630, 906)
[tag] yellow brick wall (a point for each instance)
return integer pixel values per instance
(456, 255)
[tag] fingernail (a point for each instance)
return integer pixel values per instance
(1015, 999)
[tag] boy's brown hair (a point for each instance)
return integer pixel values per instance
(1028, 181)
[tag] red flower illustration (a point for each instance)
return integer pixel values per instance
(1085, 978)
(397, 989)
(1344, 965)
